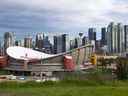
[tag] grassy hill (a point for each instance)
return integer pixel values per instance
(65, 88)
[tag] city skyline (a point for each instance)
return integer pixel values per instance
(60, 16)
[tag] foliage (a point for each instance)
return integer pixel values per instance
(122, 68)
(3, 72)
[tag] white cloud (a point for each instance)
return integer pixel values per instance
(64, 4)
(79, 11)
(120, 8)
(69, 13)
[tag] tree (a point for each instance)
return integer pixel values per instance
(122, 68)
(102, 63)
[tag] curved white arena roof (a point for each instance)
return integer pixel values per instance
(22, 53)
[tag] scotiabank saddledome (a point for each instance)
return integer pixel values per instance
(21, 53)
(26, 59)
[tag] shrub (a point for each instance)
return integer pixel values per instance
(122, 68)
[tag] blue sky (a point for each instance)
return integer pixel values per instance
(30, 16)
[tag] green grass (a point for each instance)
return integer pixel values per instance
(94, 84)
(65, 91)
(65, 88)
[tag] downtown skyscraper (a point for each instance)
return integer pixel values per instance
(28, 42)
(103, 36)
(115, 38)
(126, 37)
(9, 40)
(39, 40)
(61, 43)
(92, 33)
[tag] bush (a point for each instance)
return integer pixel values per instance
(122, 68)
